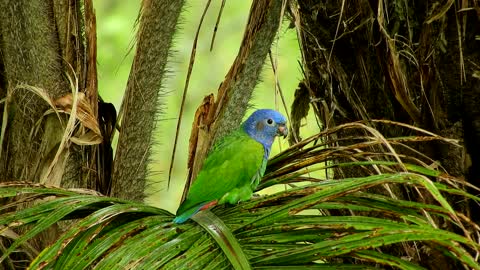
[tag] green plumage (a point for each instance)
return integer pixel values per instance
(235, 165)
(230, 173)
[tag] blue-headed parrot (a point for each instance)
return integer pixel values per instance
(235, 165)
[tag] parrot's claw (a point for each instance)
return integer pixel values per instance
(256, 196)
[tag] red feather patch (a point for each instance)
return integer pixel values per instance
(208, 205)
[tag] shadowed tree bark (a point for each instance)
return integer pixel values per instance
(30, 53)
(47, 63)
(408, 61)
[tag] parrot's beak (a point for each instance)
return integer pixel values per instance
(282, 130)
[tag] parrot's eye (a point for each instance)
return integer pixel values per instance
(270, 122)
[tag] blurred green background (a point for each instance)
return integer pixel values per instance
(115, 26)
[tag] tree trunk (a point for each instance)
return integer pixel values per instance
(407, 61)
(42, 46)
(157, 24)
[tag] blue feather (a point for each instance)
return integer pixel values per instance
(192, 211)
(262, 126)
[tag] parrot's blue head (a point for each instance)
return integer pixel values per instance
(264, 125)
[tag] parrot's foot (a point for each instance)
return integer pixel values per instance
(256, 196)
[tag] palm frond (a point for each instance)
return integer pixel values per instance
(350, 223)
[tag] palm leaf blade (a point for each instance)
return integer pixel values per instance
(326, 224)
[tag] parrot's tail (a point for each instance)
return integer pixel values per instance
(192, 211)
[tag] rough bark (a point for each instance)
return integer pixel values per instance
(407, 61)
(31, 55)
(416, 67)
(43, 46)
(142, 103)
(42, 60)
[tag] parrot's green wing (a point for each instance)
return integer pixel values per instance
(227, 175)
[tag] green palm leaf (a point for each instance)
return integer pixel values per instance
(325, 224)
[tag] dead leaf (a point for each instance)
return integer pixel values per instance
(85, 113)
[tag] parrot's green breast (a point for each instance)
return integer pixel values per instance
(230, 173)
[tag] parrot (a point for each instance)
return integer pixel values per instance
(235, 164)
